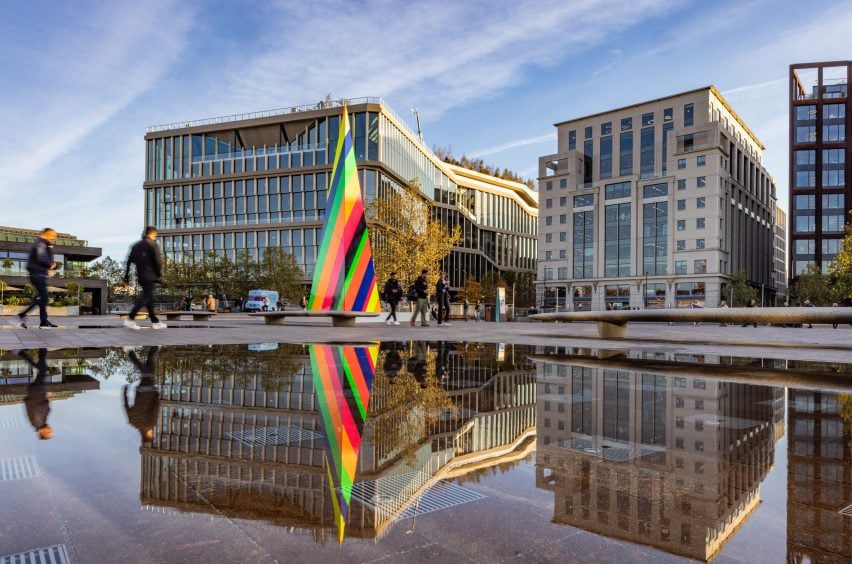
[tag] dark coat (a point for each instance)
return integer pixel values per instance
(422, 288)
(41, 258)
(145, 254)
(393, 291)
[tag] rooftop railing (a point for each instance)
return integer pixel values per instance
(322, 104)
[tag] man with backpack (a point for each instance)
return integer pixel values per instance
(145, 255)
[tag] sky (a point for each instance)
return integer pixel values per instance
(81, 81)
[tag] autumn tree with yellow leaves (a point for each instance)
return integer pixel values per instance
(405, 237)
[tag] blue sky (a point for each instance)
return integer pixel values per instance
(81, 81)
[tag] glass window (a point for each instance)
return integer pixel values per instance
(548, 238)
(563, 201)
(549, 185)
(668, 114)
(805, 133)
(572, 140)
(548, 220)
(606, 157)
(701, 181)
(655, 237)
(563, 218)
(699, 223)
(648, 119)
(626, 123)
(646, 151)
(655, 190)
(548, 203)
(681, 244)
(833, 111)
(805, 113)
(617, 190)
(700, 202)
(681, 225)
(617, 240)
(700, 160)
(700, 266)
(583, 244)
(681, 184)
(625, 154)
(584, 200)
(688, 115)
(681, 163)
(699, 243)
(681, 205)
(834, 132)
(606, 128)
(680, 267)
(587, 134)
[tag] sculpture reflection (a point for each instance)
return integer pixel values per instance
(672, 462)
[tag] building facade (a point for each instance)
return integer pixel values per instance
(657, 204)
(779, 272)
(254, 181)
(819, 162)
(72, 254)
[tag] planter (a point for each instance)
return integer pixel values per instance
(51, 311)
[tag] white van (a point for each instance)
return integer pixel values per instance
(255, 301)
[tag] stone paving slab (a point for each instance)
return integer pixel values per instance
(822, 343)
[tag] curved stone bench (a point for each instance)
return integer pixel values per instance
(339, 318)
(612, 324)
(196, 315)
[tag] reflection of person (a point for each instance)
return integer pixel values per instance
(751, 303)
(146, 407)
(417, 364)
(145, 254)
(393, 361)
(37, 401)
(40, 266)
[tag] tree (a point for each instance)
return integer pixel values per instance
(74, 291)
(406, 238)
(112, 271)
(739, 291)
(490, 282)
(471, 291)
(813, 285)
(279, 271)
(841, 270)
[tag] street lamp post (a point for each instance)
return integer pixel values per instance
(645, 293)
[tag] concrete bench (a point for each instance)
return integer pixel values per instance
(613, 324)
(125, 314)
(196, 315)
(339, 318)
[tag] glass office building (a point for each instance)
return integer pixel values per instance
(819, 163)
(252, 181)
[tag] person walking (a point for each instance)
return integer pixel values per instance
(466, 305)
(478, 310)
(37, 401)
(392, 294)
(145, 255)
(809, 304)
(442, 294)
(751, 303)
(40, 266)
(210, 303)
(723, 305)
(421, 288)
(835, 304)
(146, 407)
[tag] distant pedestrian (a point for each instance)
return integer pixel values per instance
(392, 294)
(421, 289)
(809, 304)
(477, 309)
(466, 305)
(146, 406)
(303, 303)
(751, 303)
(40, 266)
(37, 401)
(442, 295)
(723, 305)
(210, 303)
(835, 304)
(265, 303)
(145, 256)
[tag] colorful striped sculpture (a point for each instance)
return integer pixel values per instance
(344, 276)
(343, 379)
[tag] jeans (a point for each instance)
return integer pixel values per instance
(41, 300)
(392, 313)
(443, 309)
(146, 299)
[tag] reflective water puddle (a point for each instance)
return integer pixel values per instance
(420, 451)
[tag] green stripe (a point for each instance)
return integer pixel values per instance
(349, 273)
(354, 387)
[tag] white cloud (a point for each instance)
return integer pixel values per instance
(514, 145)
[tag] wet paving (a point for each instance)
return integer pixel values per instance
(421, 451)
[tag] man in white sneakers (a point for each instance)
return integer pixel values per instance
(145, 254)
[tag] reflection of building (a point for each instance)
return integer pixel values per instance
(71, 253)
(819, 162)
(234, 441)
(663, 201)
(69, 371)
(254, 181)
(671, 462)
(819, 477)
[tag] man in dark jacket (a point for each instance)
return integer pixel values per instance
(442, 291)
(392, 294)
(146, 407)
(40, 265)
(421, 287)
(145, 254)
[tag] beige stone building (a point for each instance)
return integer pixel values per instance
(656, 204)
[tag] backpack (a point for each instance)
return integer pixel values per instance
(412, 293)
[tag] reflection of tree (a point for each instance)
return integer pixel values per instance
(211, 365)
(844, 406)
(114, 363)
(405, 402)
